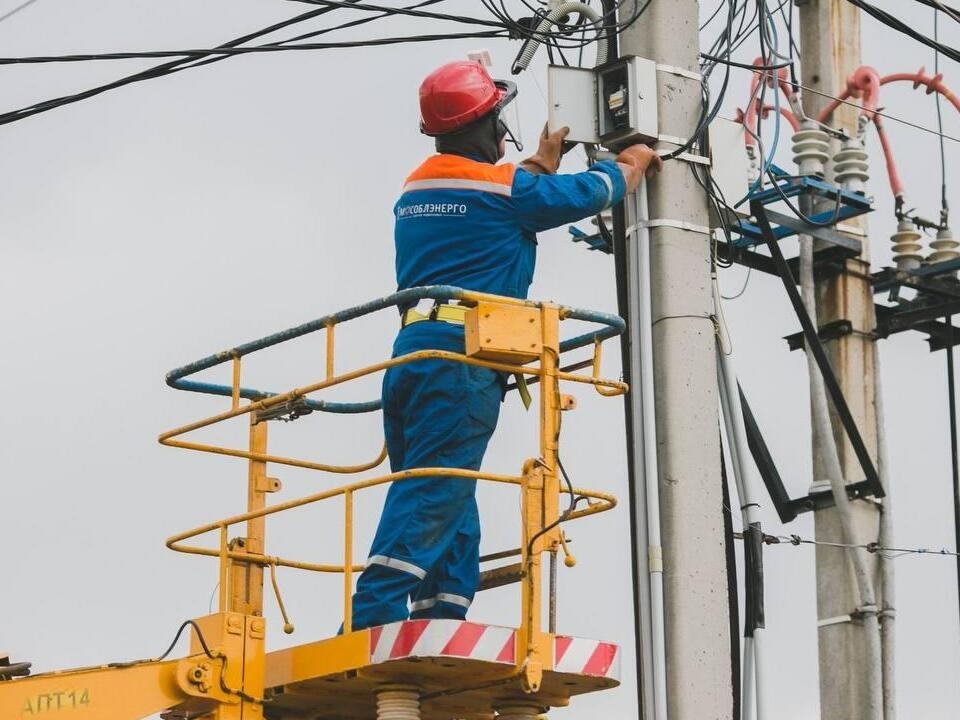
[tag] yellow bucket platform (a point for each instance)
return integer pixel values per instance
(461, 670)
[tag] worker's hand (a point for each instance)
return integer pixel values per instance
(638, 161)
(547, 158)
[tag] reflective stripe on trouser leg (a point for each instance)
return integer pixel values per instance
(450, 598)
(395, 564)
(452, 583)
(436, 414)
(381, 596)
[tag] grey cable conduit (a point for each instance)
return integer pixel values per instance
(647, 468)
(826, 462)
(888, 599)
(554, 17)
(749, 492)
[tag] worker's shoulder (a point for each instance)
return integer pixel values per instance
(463, 171)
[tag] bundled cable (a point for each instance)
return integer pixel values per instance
(900, 26)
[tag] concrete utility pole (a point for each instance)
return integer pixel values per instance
(697, 629)
(830, 46)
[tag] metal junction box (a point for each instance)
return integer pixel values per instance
(730, 170)
(614, 105)
(503, 333)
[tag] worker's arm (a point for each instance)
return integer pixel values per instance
(545, 201)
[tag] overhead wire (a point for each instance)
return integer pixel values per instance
(206, 52)
(944, 204)
(873, 548)
(942, 7)
(155, 72)
(502, 24)
(881, 113)
(18, 8)
(896, 24)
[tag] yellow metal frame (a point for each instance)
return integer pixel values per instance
(228, 664)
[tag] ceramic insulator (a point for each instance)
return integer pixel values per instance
(907, 246)
(398, 702)
(520, 710)
(811, 150)
(850, 166)
(944, 247)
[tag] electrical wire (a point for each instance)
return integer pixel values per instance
(18, 8)
(158, 71)
(895, 24)
(881, 113)
(409, 12)
(937, 5)
(173, 644)
(944, 204)
(745, 66)
(503, 23)
(189, 63)
(873, 548)
(954, 463)
(206, 52)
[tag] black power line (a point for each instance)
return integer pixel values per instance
(18, 8)
(186, 63)
(892, 22)
(194, 54)
(155, 72)
(955, 466)
(942, 7)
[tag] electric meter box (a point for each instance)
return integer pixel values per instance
(613, 105)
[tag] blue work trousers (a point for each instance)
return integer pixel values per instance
(436, 413)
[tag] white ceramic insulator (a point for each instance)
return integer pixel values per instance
(520, 710)
(907, 246)
(851, 166)
(398, 702)
(944, 247)
(811, 150)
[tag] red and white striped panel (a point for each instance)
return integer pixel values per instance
(586, 657)
(443, 638)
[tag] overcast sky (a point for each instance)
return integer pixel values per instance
(170, 219)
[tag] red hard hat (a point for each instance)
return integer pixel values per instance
(456, 94)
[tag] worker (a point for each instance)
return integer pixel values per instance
(462, 220)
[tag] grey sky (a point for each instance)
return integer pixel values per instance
(170, 219)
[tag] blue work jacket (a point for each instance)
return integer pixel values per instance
(472, 224)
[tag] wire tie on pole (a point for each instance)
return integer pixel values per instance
(679, 71)
(864, 611)
(666, 222)
(838, 620)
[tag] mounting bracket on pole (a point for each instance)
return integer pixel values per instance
(788, 508)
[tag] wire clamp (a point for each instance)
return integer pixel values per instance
(691, 158)
(673, 140)
(680, 72)
(859, 614)
(665, 222)
(655, 559)
(838, 620)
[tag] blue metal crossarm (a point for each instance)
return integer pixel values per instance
(889, 278)
(177, 378)
(851, 205)
(594, 242)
